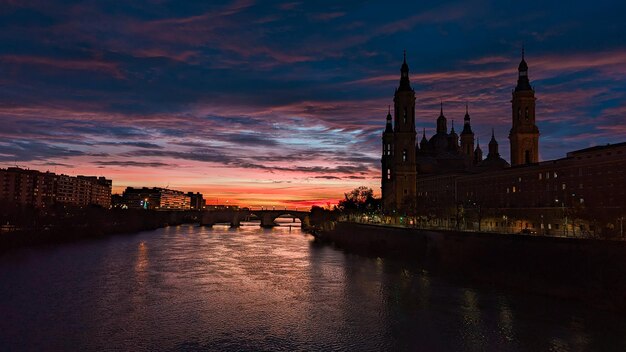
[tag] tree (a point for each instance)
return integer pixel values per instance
(359, 199)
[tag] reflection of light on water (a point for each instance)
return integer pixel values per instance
(472, 330)
(579, 341)
(141, 265)
(505, 323)
(558, 345)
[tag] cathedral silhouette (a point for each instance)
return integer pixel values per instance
(443, 181)
(403, 159)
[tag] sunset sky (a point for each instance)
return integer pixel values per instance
(284, 103)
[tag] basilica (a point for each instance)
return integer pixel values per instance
(404, 160)
(445, 180)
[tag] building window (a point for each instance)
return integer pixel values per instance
(540, 176)
(555, 175)
(563, 186)
(513, 189)
(404, 116)
(580, 186)
(527, 114)
(389, 174)
(404, 155)
(547, 175)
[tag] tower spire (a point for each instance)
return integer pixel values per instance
(405, 83)
(493, 146)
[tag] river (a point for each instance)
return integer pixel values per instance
(188, 288)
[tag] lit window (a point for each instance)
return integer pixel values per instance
(582, 201)
(389, 174)
(513, 189)
(404, 155)
(563, 186)
(555, 175)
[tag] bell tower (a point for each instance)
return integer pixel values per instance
(524, 134)
(403, 171)
(387, 161)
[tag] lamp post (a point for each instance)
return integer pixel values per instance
(564, 217)
(506, 223)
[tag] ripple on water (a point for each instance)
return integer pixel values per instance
(222, 289)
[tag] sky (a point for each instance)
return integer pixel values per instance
(283, 103)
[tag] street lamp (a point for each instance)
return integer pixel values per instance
(564, 217)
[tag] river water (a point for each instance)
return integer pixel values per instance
(189, 288)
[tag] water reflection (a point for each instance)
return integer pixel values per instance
(505, 323)
(196, 288)
(473, 329)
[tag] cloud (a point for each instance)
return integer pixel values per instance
(132, 164)
(94, 65)
(244, 95)
(23, 150)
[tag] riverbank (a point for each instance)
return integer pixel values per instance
(92, 223)
(592, 271)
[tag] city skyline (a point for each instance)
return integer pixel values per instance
(185, 96)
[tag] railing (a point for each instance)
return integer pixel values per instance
(441, 224)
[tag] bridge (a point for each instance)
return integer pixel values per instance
(234, 217)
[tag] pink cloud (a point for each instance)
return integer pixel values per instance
(95, 64)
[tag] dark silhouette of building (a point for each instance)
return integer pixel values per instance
(581, 194)
(37, 189)
(156, 198)
(524, 135)
(196, 201)
(398, 162)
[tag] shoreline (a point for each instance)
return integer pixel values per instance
(98, 224)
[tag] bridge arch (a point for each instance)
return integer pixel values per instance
(268, 217)
(236, 216)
